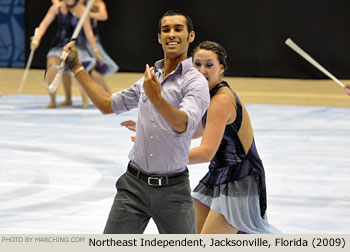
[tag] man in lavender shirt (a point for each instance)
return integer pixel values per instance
(171, 99)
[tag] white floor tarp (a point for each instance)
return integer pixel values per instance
(58, 167)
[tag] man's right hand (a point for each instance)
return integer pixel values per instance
(72, 62)
(34, 44)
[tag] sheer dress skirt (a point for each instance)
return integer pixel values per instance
(109, 66)
(237, 201)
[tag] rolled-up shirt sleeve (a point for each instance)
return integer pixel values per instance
(127, 99)
(195, 102)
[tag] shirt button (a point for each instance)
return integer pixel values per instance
(151, 155)
(153, 120)
(151, 137)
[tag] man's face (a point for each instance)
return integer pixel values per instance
(70, 2)
(174, 36)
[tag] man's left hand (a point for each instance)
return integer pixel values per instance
(152, 86)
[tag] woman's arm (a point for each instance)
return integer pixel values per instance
(90, 35)
(101, 14)
(199, 131)
(45, 23)
(88, 30)
(220, 112)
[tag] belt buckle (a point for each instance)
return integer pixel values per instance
(159, 179)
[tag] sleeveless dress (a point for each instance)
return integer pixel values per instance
(66, 25)
(235, 183)
(109, 66)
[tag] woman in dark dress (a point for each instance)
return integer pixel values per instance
(67, 14)
(231, 197)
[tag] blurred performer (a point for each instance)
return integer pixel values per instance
(67, 84)
(347, 89)
(67, 14)
(108, 66)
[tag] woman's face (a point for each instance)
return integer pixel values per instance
(206, 62)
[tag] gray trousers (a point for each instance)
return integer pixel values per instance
(171, 208)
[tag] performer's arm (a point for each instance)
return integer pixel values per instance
(220, 112)
(88, 32)
(45, 23)
(98, 96)
(199, 131)
(101, 14)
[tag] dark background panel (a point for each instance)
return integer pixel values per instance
(252, 31)
(12, 33)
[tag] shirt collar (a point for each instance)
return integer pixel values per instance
(184, 65)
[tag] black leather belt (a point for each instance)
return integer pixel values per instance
(158, 180)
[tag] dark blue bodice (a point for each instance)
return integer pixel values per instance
(66, 26)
